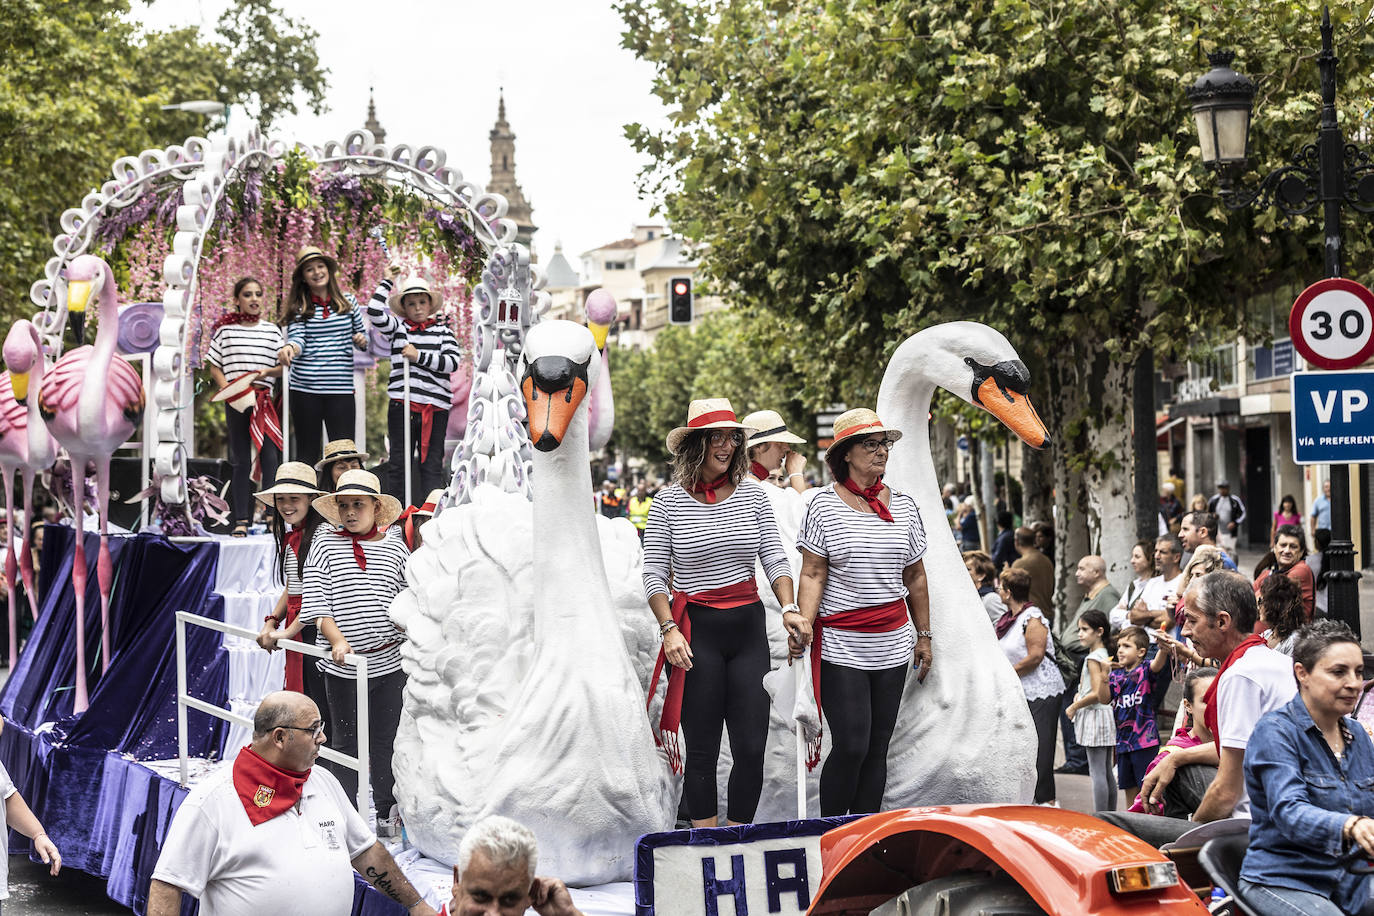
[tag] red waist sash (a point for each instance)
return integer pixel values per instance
(727, 596)
(880, 618)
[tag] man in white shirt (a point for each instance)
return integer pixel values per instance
(270, 835)
(1155, 606)
(495, 874)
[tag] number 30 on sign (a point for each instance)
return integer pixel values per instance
(1332, 324)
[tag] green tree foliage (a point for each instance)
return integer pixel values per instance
(81, 85)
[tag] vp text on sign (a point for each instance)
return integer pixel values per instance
(1333, 417)
(1332, 324)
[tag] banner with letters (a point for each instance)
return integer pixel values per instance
(749, 870)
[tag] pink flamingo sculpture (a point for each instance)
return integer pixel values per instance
(601, 313)
(92, 403)
(26, 446)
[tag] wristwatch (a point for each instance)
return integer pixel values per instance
(926, 634)
(791, 608)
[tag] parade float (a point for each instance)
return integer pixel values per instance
(529, 646)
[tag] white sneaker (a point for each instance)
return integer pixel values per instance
(389, 828)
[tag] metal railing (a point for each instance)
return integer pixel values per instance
(361, 763)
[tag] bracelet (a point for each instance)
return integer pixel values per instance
(276, 621)
(796, 474)
(667, 628)
(791, 608)
(925, 634)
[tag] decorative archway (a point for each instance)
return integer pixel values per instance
(197, 175)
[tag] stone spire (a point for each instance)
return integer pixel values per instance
(372, 124)
(503, 175)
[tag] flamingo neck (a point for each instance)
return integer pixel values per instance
(94, 393)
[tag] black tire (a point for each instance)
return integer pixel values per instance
(964, 894)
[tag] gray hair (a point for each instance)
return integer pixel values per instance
(1227, 591)
(503, 841)
(278, 709)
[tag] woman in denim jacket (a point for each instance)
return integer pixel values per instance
(1309, 768)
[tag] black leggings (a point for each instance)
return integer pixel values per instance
(1045, 715)
(725, 686)
(241, 460)
(308, 411)
(384, 715)
(860, 708)
(424, 477)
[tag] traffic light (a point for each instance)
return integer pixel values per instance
(680, 300)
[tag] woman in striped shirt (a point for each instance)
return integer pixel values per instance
(863, 586)
(351, 575)
(704, 533)
(408, 319)
(321, 321)
(244, 344)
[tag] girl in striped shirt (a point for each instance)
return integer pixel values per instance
(703, 535)
(863, 584)
(409, 320)
(244, 344)
(351, 576)
(321, 322)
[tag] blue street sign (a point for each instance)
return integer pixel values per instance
(962, 442)
(1333, 417)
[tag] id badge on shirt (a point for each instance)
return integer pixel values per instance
(329, 833)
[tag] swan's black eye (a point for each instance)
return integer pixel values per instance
(1011, 375)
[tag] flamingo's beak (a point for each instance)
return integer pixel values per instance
(553, 387)
(19, 384)
(1016, 411)
(78, 295)
(599, 332)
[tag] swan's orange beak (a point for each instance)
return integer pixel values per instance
(1015, 411)
(553, 387)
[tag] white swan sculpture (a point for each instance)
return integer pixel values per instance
(523, 697)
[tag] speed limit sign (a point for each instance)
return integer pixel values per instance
(1332, 324)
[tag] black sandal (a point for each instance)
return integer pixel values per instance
(240, 530)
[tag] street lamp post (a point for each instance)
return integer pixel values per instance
(1329, 172)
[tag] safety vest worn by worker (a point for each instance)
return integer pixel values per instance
(639, 511)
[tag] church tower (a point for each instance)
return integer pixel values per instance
(372, 124)
(503, 176)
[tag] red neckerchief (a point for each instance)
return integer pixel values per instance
(234, 318)
(727, 596)
(293, 538)
(265, 790)
(1003, 623)
(870, 496)
(880, 618)
(264, 424)
(359, 557)
(414, 327)
(708, 488)
(1211, 696)
(759, 470)
(321, 306)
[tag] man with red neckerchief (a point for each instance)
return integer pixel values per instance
(271, 835)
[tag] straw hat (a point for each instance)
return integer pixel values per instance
(356, 481)
(430, 504)
(338, 450)
(292, 477)
(860, 422)
(415, 284)
(706, 413)
(239, 393)
(767, 426)
(308, 254)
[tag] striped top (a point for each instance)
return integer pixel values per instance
(865, 557)
(438, 354)
(240, 348)
(294, 583)
(701, 546)
(357, 599)
(325, 345)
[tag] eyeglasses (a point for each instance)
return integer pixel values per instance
(315, 730)
(872, 445)
(735, 438)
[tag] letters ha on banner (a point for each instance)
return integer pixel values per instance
(751, 870)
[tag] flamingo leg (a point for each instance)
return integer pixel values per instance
(104, 568)
(26, 555)
(81, 701)
(11, 565)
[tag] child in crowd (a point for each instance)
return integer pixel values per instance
(293, 525)
(1132, 684)
(414, 517)
(321, 322)
(243, 352)
(1194, 732)
(1091, 711)
(408, 319)
(351, 575)
(339, 455)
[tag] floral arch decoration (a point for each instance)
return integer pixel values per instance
(179, 224)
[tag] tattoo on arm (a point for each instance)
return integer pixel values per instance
(382, 882)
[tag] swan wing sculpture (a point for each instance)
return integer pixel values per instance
(26, 446)
(966, 734)
(92, 403)
(601, 312)
(523, 698)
